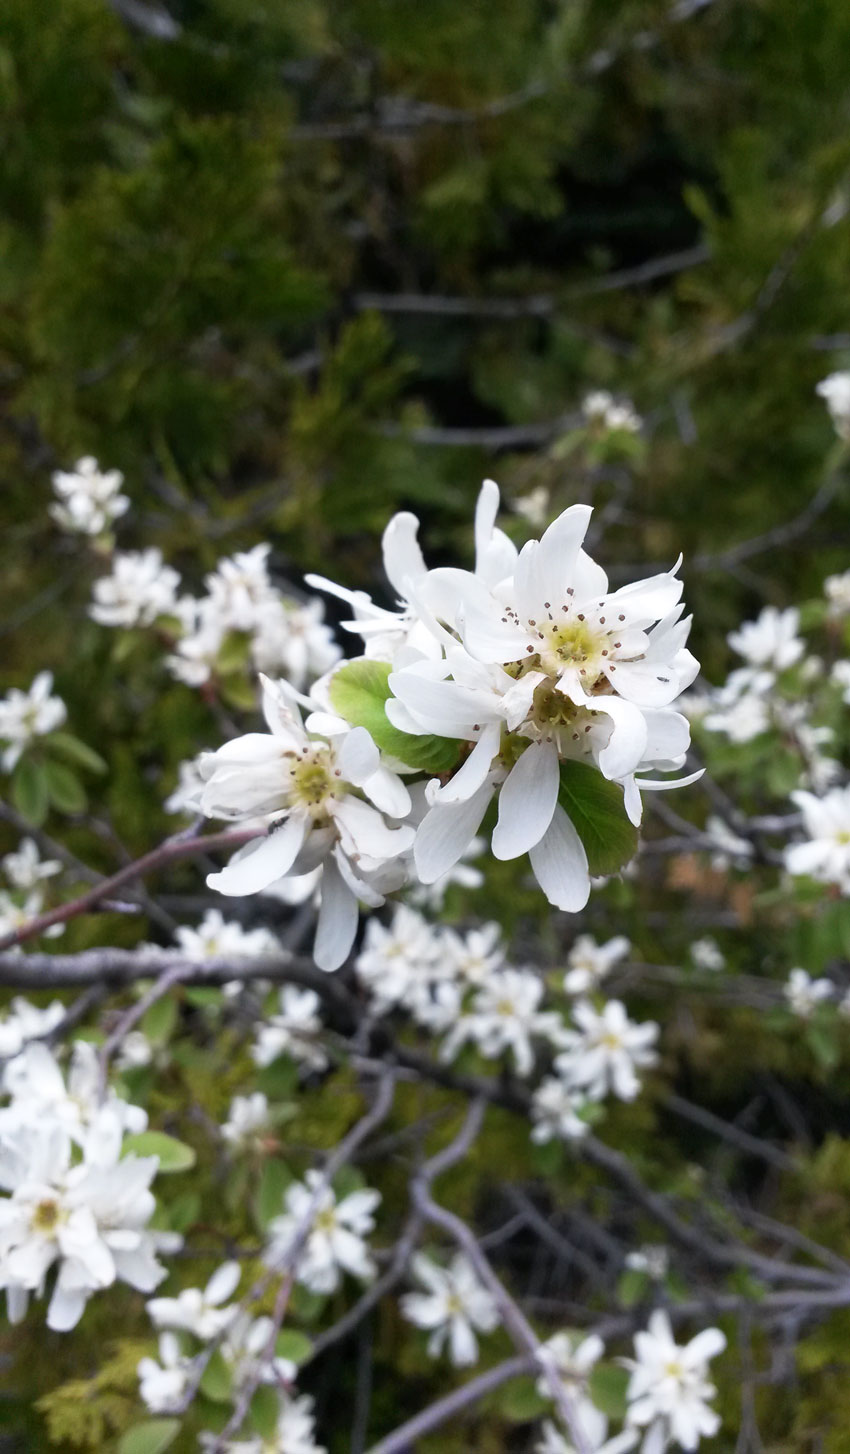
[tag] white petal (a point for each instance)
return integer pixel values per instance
(558, 551)
(254, 868)
(560, 865)
(337, 924)
(223, 1283)
(486, 636)
(358, 757)
(527, 801)
(446, 832)
(403, 560)
(469, 778)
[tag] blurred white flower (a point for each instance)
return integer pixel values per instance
(707, 954)
(454, 1306)
(24, 716)
(601, 408)
(200, 1312)
(589, 963)
(606, 1051)
(292, 1031)
(804, 994)
(163, 1385)
(140, 589)
(825, 855)
(669, 1386)
(336, 1233)
(88, 500)
(24, 868)
(835, 392)
(248, 1122)
(505, 1017)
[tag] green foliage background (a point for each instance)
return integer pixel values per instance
(306, 262)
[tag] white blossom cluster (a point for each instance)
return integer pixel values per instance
(514, 680)
(26, 716)
(75, 1207)
(835, 392)
(603, 410)
(88, 499)
(26, 874)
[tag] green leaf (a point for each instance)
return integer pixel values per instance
(595, 809)
(293, 1345)
(29, 791)
(173, 1155)
(76, 751)
(607, 1388)
(632, 1286)
(358, 692)
(159, 1021)
(217, 1382)
(520, 1401)
(275, 1178)
(149, 1438)
(64, 788)
(265, 1409)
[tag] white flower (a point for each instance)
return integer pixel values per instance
(22, 1022)
(504, 1017)
(195, 658)
(140, 589)
(454, 1306)
(534, 507)
(25, 869)
(600, 407)
(572, 1358)
(217, 938)
(88, 499)
(294, 640)
(134, 1051)
(825, 855)
(245, 1349)
(707, 954)
(474, 956)
(163, 1385)
(804, 994)
(555, 1109)
(248, 1121)
(555, 1443)
(201, 1313)
(294, 1432)
(39, 1092)
(669, 1385)
(24, 716)
(186, 796)
(315, 786)
(461, 874)
(395, 957)
(335, 1240)
(88, 1216)
(837, 592)
(239, 586)
(589, 963)
(654, 1260)
(606, 1051)
(835, 391)
(771, 641)
(293, 1031)
(840, 674)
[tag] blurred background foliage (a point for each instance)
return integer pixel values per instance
(294, 264)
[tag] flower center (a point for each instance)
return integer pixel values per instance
(326, 1220)
(610, 1041)
(313, 780)
(570, 643)
(46, 1216)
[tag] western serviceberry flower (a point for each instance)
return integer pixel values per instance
(555, 1110)
(837, 591)
(771, 641)
(200, 1312)
(328, 799)
(140, 589)
(25, 869)
(248, 1122)
(245, 1350)
(474, 956)
(654, 1260)
(602, 409)
(88, 499)
(396, 956)
(554, 1442)
(294, 1432)
(669, 1388)
(589, 963)
(21, 1022)
(504, 1017)
(335, 1242)
(605, 1052)
(454, 1306)
(804, 994)
(825, 855)
(25, 716)
(572, 1357)
(835, 392)
(163, 1385)
(707, 954)
(293, 1031)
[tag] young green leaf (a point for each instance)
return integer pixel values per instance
(152, 1437)
(358, 692)
(173, 1155)
(595, 808)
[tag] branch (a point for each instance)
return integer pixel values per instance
(167, 852)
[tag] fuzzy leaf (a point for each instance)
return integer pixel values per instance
(64, 788)
(358, 692)
(595, 808)
(29, 791)
(76, 751)
(173, 1155)
(150, 1438)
